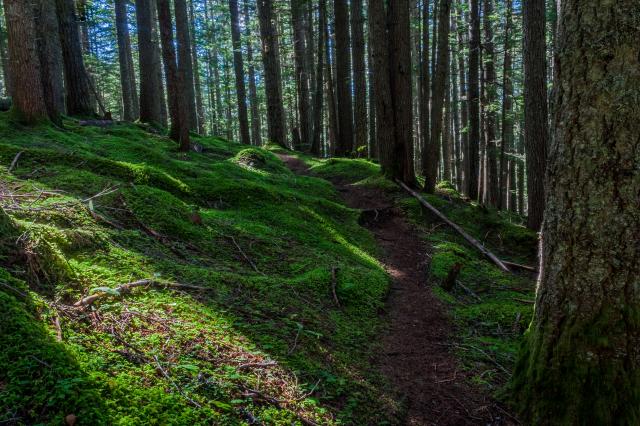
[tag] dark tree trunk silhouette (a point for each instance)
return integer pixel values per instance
(464, 105)
(344, 145)
(185, 60)
(536, 129)
(28, 100)
(125, 59)
(76, 78)
(196, 70)
(256, 132)
(150, 97)
(332, 112)
(492, 192)
(238, 66)
(179, 131)
(581, 359)
(319, 80)
(473, 99)
(506, 166)
(425, 90)
(301, 72)
(273, 84)
(359, 79)
(438, 90)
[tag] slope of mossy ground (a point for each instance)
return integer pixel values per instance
(491, 309)
(264, 342)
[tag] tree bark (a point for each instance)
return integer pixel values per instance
(536, 130)
(319, 80)
(77, 85)
(359, 79)
(438, 97)
(256, 132)
(196, 70)
(273, 81)
(332, 112)
(344, 145)
(50, 57)
(28, 100)
(238, 66)
(150, 99)
(125, 59)
(425, 87)
(506, 166)
(373, 139)
(185, 60)
(179, 131)
(473, 99)
(400, 78)
(581, 359)
(492, 192)
(301, 72)
(464, 105)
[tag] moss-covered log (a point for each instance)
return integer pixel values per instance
(581, 360)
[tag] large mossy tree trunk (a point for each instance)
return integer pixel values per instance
(344, 143)
(581, 363)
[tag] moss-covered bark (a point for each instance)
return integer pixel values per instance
(580, 363)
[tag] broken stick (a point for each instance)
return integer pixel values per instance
(458, 229)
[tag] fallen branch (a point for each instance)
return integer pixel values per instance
(469, 291)
(265, 364)
(519, 266)
(15, 161)
(525, 301)
(334, 283)
(458, 229)
(253, 265)
(174, 384)
(125, 288)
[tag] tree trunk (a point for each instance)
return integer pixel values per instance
(150, 99)
(196, 70)
(464, 104)
(425, 86)
(400, 78)
(273, 81)
(256, 133)
(438, 97)
(507, 114)
(301, 72)
(77, 85)
(179, 131)
(455, 109)
(238, 66)
(4, 58)
(581, 359)
(359, 79)
(185, 60)
(127, 79)
(331, 96)
(28, 100)
(157, 65)
(50, 56)
(373, 139)
(536, 131)
(344, 145)
(319, 80)
(521, 172)
(473, 99)
(490, 94)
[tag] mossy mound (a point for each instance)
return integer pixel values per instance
(256, 243)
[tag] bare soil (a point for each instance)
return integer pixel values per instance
(416, 357)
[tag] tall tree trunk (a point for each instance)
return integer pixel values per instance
(238, 66)
(464, 105)
(490, 94)
(4, 57)
(521, 172)
(125, 59)
(157, 65)
(536, 130)
(28, 100)
(185, 60)
(256, 133)
(455, 109)
(373, 139)
(581, 359)
(273, 80)
(179, 131)
(301, 72)
(447, 140)
(438, 90)
(359, 78)
(50, 57)
(425, 86)
(77, 85)
(150, 99)
(473, 99)
(319, 80)
(84, 27)
(507, 113)
(196, 70)
(330, 95)
(400, 77)
(385, 131)
(344, 146)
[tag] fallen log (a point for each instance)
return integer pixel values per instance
(455, 227)
(519, 266)
(125, 288)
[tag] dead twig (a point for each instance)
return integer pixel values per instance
(519, 266)
(265, 364)
(468, 291)
(15, 161)
(525, 301)
(334, 283)
(295, 341)
(253, 265)
(174, 384)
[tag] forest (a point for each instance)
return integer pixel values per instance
(319, 212)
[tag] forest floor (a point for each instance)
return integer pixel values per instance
(416, 354)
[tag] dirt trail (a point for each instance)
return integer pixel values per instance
(416, 355)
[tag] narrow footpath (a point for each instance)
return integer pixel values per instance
(416, 356)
